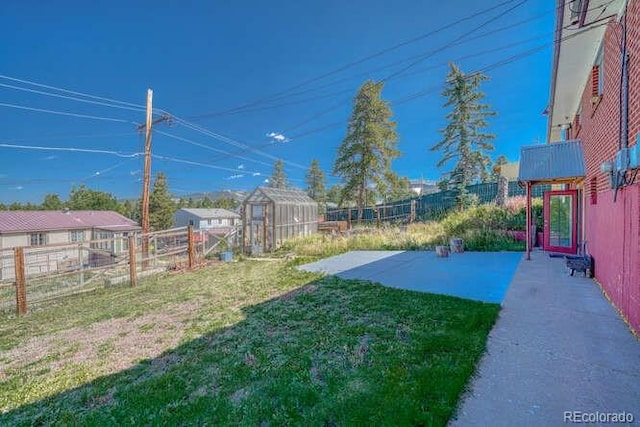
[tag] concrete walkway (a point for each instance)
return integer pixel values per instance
(557, 346)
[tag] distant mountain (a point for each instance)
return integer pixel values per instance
(215, 195)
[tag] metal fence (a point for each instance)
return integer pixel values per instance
(427, 206)
(36, 274)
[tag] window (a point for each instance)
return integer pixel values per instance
(575, 7)
(597, 75)
(77, 236)
(593, 184)
(38, 239)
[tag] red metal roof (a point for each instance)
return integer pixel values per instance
(23, 221)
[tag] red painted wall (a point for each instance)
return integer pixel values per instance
(613, 229)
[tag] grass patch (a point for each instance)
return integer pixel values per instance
(250, 343)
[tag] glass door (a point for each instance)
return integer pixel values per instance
(560, 221)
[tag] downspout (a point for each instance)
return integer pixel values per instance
(556, 59)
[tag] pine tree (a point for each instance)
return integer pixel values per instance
(316, 182)
(365, 156)
(278, 178)
(463, 138)
(500, 161)
(161, 206)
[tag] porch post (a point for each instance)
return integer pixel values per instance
(528, 227)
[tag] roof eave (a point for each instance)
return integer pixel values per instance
(556, 59)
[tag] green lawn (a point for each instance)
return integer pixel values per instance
(247, 343)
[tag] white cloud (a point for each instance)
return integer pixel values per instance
(241, 166)
(266, 181)
(51, 157)
(19, 187)
(256, 174)
(278, 137)
(236, 176)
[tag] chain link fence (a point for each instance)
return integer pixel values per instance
(429, 206)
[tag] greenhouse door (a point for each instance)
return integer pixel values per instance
(561, 221)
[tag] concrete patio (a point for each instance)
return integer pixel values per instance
(480, 276)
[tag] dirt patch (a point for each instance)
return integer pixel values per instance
(110, 346)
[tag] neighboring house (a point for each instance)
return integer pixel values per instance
(594, 131)
(206, 219)
(422, 186)
(54, 229)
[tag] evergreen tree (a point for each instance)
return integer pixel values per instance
(365, 156)
(500, 161)
(463, 138)
(51, 202)
(334, 194)
(397, 188)
(161, 206)
(206, 203)
(316, 182)
(278, 178)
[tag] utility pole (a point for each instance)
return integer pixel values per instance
(147, 164)
(146, 179)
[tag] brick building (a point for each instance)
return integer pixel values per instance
(587, 106)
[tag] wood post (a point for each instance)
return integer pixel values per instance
(21, 285)
(412, 218)
(349, 218)
(378, 217)
(132, 260)
(191, 247)
(264, 228)
(528, 226)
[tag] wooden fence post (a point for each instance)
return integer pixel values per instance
(349, 218)
(264, 228)
(21, 286)
(378, 217)
(413, 211)
(132, 260)
(191, 247)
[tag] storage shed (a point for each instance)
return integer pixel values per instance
(272, 215)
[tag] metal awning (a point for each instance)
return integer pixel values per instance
(556, 161)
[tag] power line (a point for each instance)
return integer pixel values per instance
(71, 149)
(64, 113)
(359, 61)
(72, 98)
(204, 165)
(208, 147)
(86, 95)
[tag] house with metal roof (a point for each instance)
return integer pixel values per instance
(39, 228)
(206, 219)
(593, 139)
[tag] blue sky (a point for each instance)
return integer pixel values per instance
(211, 57)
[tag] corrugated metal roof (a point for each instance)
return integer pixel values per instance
(205, 213)
(558, 160)
(279, 195)
(24, 221)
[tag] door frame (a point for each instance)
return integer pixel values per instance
(574, 221)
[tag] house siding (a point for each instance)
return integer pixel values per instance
(613, 228)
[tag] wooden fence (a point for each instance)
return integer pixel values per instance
(36, 274)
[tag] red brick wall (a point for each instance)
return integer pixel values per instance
(613, 229)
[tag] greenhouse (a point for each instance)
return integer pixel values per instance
(272, 215)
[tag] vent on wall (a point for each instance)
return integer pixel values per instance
(593, 190)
